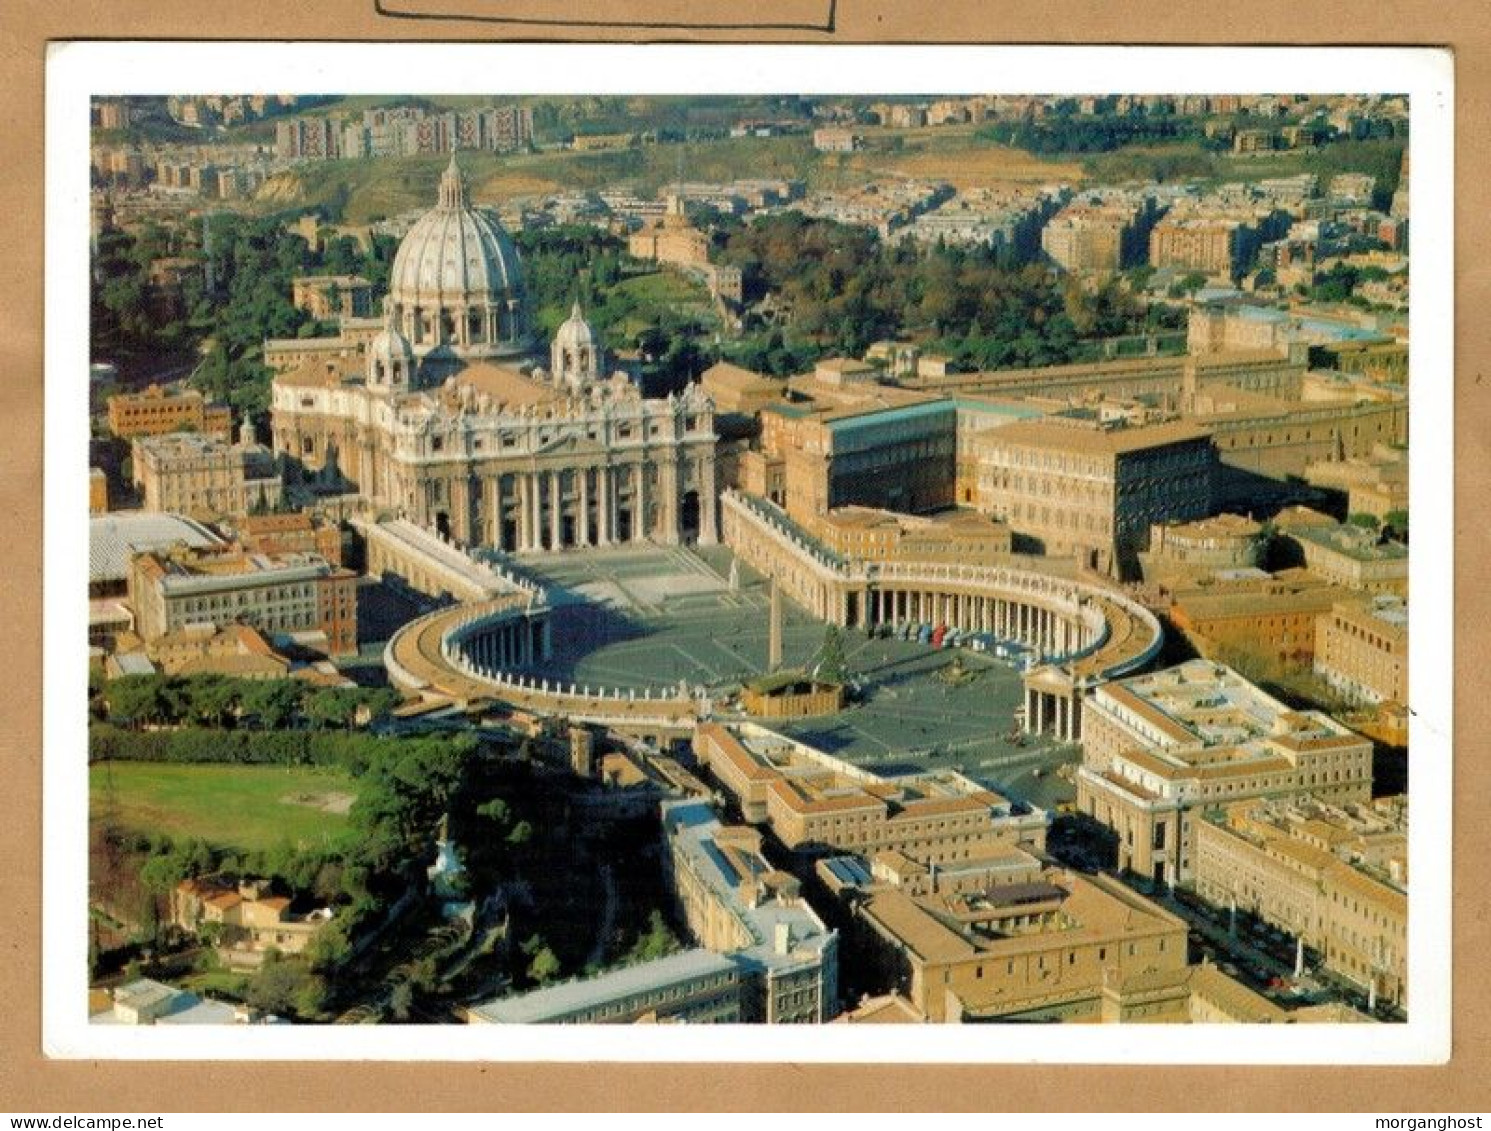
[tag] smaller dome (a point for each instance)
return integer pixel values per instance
(390, 344)
(575, 332)
(576, 356)
(390, 361)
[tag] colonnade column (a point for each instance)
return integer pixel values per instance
(709, 522)
(668, 501)
(603, 511)
(491, 508)
(582, 522)
(525, 513)
(639, 503)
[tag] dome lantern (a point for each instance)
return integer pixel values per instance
(452, 186)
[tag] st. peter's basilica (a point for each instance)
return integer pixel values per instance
(454, 424)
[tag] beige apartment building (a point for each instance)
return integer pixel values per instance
(158, 410)
(952, 537)
(811, 800)
(1335, 876)
(836, 139)
(286, 355)
(98, 491)
(734, 389)
(1277, 436)
(1269, 618)
(293, 593)
(204, 476)
(846, 441)
(674, 240)
(1097, 235)
(736, 903)
(1081, 489)
(295, 533)
(326, 297)
(235, 650)
(1035, 950)
(1353, 557)
(1210, 245)
(1159, 749)
(1361, 650)
(1107, 955)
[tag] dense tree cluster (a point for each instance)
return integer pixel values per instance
(845, 289)
(570, 262)
(348, 750)
(238, 297)
(1096, 133)
(1339, 283)
(316, 872)
(225, 702)
(403, 787)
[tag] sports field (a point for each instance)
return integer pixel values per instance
(244, 807)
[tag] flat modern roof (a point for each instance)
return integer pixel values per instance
(115, 537)
(556, 1003)
(1109, 441)
(1353, 542)
(848, 870)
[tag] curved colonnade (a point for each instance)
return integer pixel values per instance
(1082, 633)
(465, 654)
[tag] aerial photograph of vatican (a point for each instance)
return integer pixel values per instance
(716, 559)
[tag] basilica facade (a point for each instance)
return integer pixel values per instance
(449, 420)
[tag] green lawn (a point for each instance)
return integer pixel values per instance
(244, 807)
(663, 288)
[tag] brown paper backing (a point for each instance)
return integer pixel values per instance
(31, 1082)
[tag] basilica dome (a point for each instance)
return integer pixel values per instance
(457, 281)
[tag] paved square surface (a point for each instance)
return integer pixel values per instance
(657, 617)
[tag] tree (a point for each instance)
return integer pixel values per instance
(331, 707)
(1395, 524)
(831, 664)
(285, 986)
(657, 942)
(161, 874)
(520, 834)
(272, 702)
(136, 700)
(212, 698)
(1365, 521)
(496, 810)
(400, 1001)
(545, 966)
